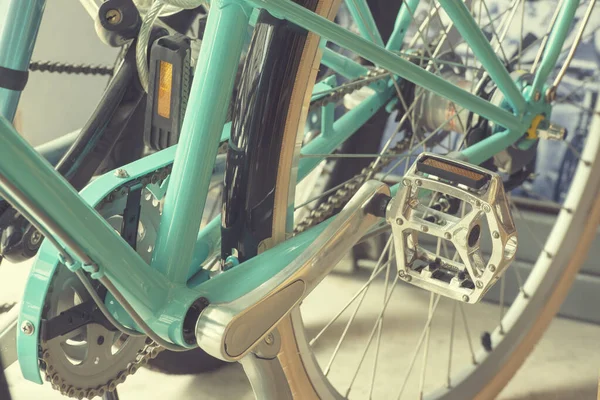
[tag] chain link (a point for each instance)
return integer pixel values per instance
(338, 198)
(76, 69)
(349, 87)
(150, 350)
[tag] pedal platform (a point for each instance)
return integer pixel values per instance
(453, 231)
(168, 90)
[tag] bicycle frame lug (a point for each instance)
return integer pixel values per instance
(468, 274)
(230, 330)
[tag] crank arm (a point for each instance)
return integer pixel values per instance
(230, 330)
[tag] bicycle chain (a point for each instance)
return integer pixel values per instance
(76, 69)
(151, 349)
(374, 75)
(349, 189)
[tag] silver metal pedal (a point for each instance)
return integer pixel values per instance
(453, 230)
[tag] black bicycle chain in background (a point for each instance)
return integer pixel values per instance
(73, 69)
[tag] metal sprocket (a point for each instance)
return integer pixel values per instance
(93, 359)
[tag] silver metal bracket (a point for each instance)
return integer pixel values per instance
(231, 330)
(453, 230)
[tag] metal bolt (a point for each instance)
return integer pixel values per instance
(448, 235)
(405, 182)
(479, 284)
(552, 132)
(492, 267)
(408, 278)
(424, 228)
(418, 182)
(399, 221)
(486, 208)
(113, 16)
(269, 339)
(477, 203)
(121, 173)
(495, 234)
(537, 96)
(35, 238)
(27, 328)
(401, 274)
(465, 297)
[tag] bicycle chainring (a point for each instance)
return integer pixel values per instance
(93, 359)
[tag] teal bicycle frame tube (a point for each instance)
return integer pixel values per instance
(403, 20)
(343, 65)
(390, 61)
(343, 128)
(20, 27)
(56, 198)
(554, 45)
(361, 14)
(470, 31)
(202, 127)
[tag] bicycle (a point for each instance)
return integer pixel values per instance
(234, 287)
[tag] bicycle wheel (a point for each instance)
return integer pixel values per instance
(521, 317)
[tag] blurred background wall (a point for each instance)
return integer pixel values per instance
(55, 104)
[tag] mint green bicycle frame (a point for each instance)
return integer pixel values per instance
(163, 292)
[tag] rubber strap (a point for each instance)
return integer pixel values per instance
(13, 79)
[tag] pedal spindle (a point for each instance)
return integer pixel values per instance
(456, 252)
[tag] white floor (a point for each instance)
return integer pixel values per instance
(564, 365)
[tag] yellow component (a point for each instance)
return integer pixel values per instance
(165, 84)
(532, 131)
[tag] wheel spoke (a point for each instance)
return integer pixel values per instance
(501, 305)
(533, 235)
(377, 321)
(418, 347)
(540, 52)
(467, 333)
(362, 291)
(575, 44)
(451, 348)
(427, 337)
(380, 326)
